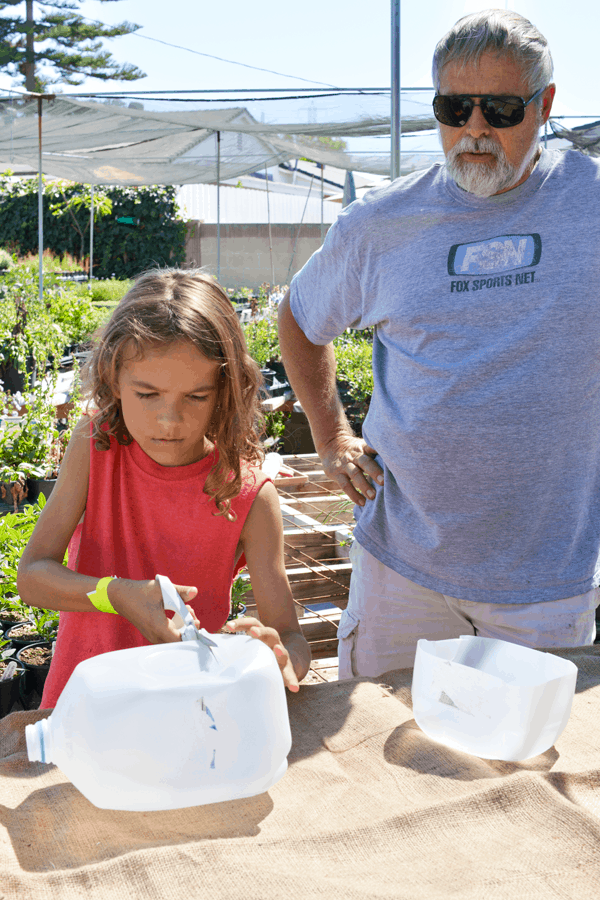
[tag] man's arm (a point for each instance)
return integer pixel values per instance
(311, 371)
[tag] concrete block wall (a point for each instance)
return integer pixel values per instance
(245, 256)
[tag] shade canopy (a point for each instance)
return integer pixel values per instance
(103, 143)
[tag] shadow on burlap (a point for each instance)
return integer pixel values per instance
(369, 808)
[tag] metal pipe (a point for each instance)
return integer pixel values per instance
(270, 235)
(40, 205)
(396, 128)
(92, 232)
(322, 219)
(219, 206)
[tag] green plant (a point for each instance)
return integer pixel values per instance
(60, 440)
(51, 262)
(110, 290)
(240, 587)
(74, 311)
(6, 260)
(156, 237)
(78, 199)
(5, 649)
(29, 331)
(262, 339)
(45, 622)
(274, 426)
(18, 611)
(354, 356)
(15, 531)
(25, 449)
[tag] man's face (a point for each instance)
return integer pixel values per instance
(485, 160)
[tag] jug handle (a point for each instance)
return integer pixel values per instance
(182, 618)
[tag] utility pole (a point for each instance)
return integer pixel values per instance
(396, 127)
(29, 55)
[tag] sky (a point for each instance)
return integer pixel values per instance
(344, 43)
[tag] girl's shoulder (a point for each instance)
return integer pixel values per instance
(253, 478)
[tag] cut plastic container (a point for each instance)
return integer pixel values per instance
(170, 725)
(491, 698)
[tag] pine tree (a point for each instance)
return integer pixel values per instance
(58, 45)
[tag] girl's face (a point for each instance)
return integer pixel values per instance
(168, 399)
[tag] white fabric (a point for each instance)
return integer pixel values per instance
(109, 144)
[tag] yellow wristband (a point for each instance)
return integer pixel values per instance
(99, 597)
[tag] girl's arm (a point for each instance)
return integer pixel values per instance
(43, 580)
(262, 543)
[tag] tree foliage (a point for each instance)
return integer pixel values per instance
(53, 43)
(151, 230)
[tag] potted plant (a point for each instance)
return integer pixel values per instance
(22, 634)
(25, 450)
(12, 612)
(11, 677)
(36, 656)
(240, 587)
(15, 531)
(354, 354)
(36, 659)
(31, 333)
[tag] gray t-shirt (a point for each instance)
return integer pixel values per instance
(486, 360)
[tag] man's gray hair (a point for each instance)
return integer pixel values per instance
(496, 31)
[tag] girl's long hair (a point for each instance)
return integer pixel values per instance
(168, 305)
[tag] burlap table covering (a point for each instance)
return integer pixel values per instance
(369, 808)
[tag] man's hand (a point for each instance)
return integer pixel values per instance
(349, 461)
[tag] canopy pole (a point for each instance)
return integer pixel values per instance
(396, 128)
(270, 236)
(219, 206)
(40, 205)
(287, 277)
(92, 232)
(322, 222)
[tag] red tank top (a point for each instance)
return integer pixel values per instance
(144, 519)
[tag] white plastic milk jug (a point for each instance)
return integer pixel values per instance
(170, 725)
(491, 698)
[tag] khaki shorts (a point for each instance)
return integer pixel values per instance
(387, 614)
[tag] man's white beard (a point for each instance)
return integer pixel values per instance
(483, 179)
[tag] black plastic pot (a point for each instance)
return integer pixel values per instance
(5, 623)
(18, 641)
(35, 487)
(44, 486)
(10, 691)
(16, 381)
(238, 615)
(35, 676)
(277, 366)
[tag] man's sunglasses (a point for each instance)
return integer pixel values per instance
(499, 112)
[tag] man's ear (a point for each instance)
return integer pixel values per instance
(547, 101)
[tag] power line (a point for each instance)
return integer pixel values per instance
(232, 62)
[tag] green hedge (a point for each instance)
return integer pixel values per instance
(156, 237)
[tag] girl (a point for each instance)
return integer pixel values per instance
(163, 478)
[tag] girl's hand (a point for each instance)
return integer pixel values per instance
(141, 603)
(271, 638)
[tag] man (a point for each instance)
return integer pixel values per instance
(477, 483)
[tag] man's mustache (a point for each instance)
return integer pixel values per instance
(469, 144)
